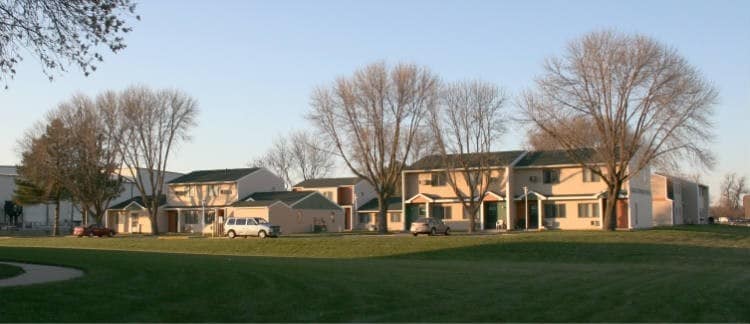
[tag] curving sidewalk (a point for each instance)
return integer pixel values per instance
(37, 273)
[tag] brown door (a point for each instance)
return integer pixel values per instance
(172, 221)
(622, 214)
(347, 218)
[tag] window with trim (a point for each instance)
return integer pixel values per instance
(447, 212)
(395, 217)
(554, 210)
(439, 179)
(364, 218)
(588, 210)
(422, 211)
(210, 217)
(590, 176)
(551, 176)
(191, 217)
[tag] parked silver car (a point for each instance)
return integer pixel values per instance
(250, 226)
(429, 225)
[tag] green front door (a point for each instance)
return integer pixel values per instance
(412, 213)
(490, 215)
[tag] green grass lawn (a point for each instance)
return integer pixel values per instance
(7, 271)
(684, 274)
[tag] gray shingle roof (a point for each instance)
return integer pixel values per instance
(394, 203)
(221, 175)
(328, 182)
(556, 157)
(502, 158)
(138, 200)
(271, 197)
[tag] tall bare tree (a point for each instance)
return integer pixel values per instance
(466, 125)
(152, 124)
(645, 102)
(91, 177)
(372, 118)
(61, 32)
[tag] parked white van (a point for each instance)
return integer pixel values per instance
(250, 226)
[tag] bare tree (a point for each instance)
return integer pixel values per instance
(733, 187)
(465, 126)
(152, 124)
(297, 156)
(645, 102)
(61, 32)
(372, 119)
(309, 157)
(278, 159)
(91, 177)
(539, 140)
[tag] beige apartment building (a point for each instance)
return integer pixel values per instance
(678, 201)
(350, 193)
(528, 190)
(200, 201)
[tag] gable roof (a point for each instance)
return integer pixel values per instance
(556, 157)
(328, 182)
(502, 158)
(138, 200)
(269, 198)
(222, 175)
(393, 203)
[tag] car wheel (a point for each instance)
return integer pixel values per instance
(433, 231)
(262, 234)
(231, 234)
(415, 234)
(447, 231)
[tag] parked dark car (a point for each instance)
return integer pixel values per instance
(429, 225)
(93, 230)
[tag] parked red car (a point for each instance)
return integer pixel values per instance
(93, 230)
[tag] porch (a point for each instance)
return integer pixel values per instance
(191, 220)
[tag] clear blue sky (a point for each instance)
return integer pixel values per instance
(252, 64)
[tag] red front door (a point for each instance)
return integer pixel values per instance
(622, 214)
(172, 221)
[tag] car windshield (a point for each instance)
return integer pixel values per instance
(261, 221)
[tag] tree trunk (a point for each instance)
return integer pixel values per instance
(610, 209)
(382, 220)
(56, 221)
(152, 216)
(472, 216)
(85, 217)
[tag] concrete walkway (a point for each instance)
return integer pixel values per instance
(37, 273)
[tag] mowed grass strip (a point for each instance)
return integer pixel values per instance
(685, 274)
(7, 271)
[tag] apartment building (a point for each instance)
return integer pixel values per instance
(350, 193)
(678, 200)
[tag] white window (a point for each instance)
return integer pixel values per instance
(590, 176)
(551, 176)
(586, 210)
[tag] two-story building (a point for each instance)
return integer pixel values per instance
(351, 193)
(427, 192)
(200, 201)
(527, 190)
(678, 201)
